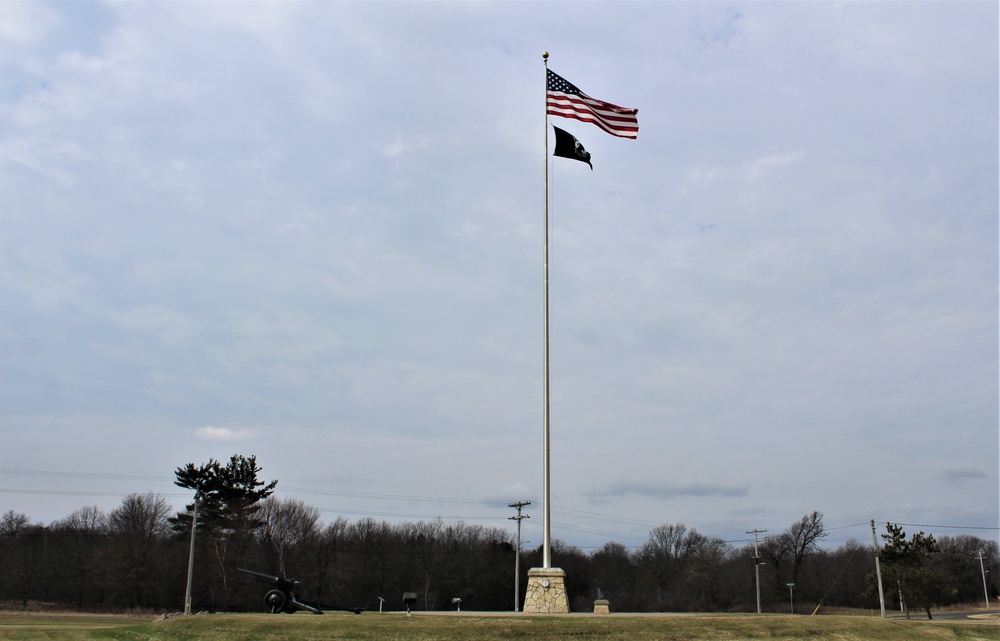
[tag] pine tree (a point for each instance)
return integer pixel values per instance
(911, 566)
(229, 499)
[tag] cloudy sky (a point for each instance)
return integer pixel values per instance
(313, 232)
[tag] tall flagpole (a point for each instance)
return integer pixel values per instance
(546, 590)
(546, 487)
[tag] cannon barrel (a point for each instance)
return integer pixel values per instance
(285, 583)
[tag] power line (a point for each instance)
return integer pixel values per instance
(580, 514)
(82, 493)
(85, 475)
(946, 527)
(577, 528)
(391, 497)
(844, 527)
(407, 515)
(280, 489)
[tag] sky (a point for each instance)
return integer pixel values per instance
(313, 233)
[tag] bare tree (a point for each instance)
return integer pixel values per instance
(328, 575)
(804, 537)
(84, 535)
(12, 523)
(613, 574)
(792, 547)
(676, 557)
(138, 526)
(289, 527)
(21, 555)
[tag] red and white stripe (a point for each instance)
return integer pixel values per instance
(617, 121)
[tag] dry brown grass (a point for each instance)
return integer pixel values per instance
(491, 627)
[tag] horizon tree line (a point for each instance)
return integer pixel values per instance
(135, 557)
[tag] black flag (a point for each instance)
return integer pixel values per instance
(567, 146)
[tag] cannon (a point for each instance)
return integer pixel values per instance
(284, 595)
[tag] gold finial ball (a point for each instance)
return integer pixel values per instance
(545, 54)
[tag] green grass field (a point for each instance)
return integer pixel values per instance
(488, 627)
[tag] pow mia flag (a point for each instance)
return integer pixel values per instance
(567, 146)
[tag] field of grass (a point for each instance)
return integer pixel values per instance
(490, 627)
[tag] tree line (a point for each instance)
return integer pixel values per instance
(136, 557)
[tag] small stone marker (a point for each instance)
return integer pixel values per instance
(601, 604)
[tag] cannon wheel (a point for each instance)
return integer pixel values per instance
(274, 601)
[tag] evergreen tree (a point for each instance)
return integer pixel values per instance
(911, 566)
(229, 500)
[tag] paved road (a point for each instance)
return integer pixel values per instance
(972, 614)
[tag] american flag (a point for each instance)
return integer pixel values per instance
(566, 100)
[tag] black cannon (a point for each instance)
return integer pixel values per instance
(284, 595)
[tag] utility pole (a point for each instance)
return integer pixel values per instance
(878, 571)
(194, 528)
(986, 590)
(756, 562)
(519, 505)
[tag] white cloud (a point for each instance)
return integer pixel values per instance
(400, 146)
(210, 433)
(25, 24)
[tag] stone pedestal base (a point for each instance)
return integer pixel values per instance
(601, 606)
(546, 592)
